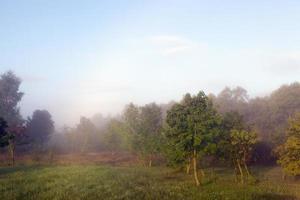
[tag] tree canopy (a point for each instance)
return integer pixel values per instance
(10, 96)
(40, 127)
(194, 127)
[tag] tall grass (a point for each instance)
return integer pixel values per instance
(105, 182)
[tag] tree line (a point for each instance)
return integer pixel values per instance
(198, 131)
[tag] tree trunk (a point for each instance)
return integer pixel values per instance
(188, 167)
(195, 168)
(241, 171)
(235, 171)
(11, 149)
(245, 165)
(248, 172)
(150, 160)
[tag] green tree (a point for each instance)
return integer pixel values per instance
(240, 146)
(87, 135)
(116, 136)
(194, 127)
(150, 135)
(144, 125)
(39, 128)
(289, 152)
(10, 96)
(174, 151)
(237, 143)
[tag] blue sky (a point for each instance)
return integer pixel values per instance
(82, 57)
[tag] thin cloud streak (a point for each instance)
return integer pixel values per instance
(170, 44)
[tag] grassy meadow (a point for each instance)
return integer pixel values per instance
(111, 182)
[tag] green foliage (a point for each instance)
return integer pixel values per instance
(144, 125)
(237, 143)
(193, 129)
(289, 152)
(241, 143)
(173, 150)
(10, 96)
(3, 133)
(116, 136)
(86, 133)
(194, 125)
(83, 138)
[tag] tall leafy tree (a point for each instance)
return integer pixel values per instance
(40, 127)
(151, 126)
(132, 118)
(194, 127)
(10, 96)
(144, 124)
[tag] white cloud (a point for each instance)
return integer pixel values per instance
(170, 45)
(168, 40)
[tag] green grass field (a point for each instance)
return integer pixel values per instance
(105, 182)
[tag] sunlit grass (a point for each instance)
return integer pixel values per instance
(104, 182)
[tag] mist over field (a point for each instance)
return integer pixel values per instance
(80, 58)
(153, 99)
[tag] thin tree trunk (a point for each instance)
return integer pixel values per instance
(11, 149)
(235, 171)
(188, 167)
(247, 170)
(195, 168)
(150, 158)
(241, 171)
(245, 165)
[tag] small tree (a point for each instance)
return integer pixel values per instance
(289, 152)
(237, 143)
(194, 128)
(241, 145)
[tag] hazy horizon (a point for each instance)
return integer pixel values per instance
(82, 58)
